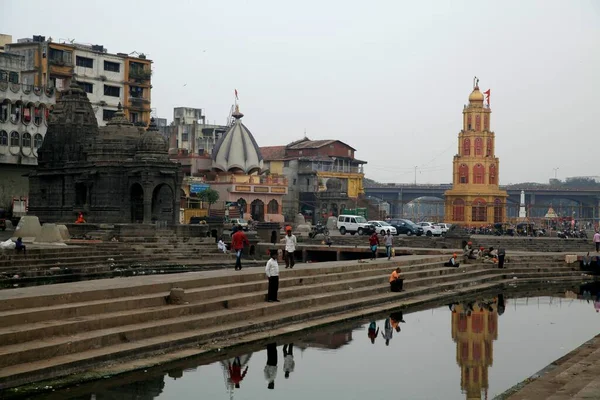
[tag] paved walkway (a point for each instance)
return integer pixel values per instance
(575, 376)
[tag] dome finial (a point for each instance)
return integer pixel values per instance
(475, 83)
(236, 113)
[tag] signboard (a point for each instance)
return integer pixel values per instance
(242, 188)
(278, 190)
(261, 189)
(198, 187)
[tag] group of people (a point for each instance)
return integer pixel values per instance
(391, 324)
(469, 253)
(374, 244)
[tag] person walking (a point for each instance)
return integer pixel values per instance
(501, 255)
(389, 243)
(373, 243)
(272, 272)
(238, 241)
(597, 241)
(290, 248)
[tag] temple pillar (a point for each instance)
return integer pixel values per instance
(399, 211)
(175, 220)
(147, 210)
(280, 208)
(265, 209)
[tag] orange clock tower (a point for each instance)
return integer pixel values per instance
(475, 198)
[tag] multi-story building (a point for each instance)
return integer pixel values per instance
(475, 198)
(108, 79)
(191, 134)
(324, 176)
(24, 110)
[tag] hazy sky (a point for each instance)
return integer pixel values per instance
(387, 77)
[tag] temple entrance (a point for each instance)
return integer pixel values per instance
(137, 203)
(257, 210)
(81, 194)
(273, 207)
(162, 203)
(243, 206)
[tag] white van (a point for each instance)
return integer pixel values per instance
(353, 224)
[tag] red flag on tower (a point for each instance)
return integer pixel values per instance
(487, 93)
(237, 98)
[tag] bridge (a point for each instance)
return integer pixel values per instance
(581, 203)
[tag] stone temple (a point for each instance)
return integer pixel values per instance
(113, 174)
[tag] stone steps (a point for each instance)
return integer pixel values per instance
(49, 334)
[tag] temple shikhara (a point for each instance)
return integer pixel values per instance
(475, 198)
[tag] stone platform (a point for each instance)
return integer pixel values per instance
(53, 331)
(574, 376)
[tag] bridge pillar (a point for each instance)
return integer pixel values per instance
(399, 206)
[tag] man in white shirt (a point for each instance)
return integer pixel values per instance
(272, 272)
(290, 248)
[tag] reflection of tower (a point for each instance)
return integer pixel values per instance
(474, 329)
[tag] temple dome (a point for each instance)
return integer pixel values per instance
(476, 96)
(152, 144)
(237, 150)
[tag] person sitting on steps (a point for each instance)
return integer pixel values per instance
(19, 246)
(453, 262)
(396, 280)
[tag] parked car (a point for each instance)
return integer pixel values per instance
(445, 227)
(430, 229)
(354, 224)
(240, 221)
(382, 227)
(406, 227)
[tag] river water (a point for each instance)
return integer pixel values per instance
(474, 348)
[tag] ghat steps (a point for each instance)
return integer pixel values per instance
(56, 330)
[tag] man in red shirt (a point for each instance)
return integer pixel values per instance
(238, 240)
(373, 243)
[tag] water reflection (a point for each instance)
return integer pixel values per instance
(474, 329)
(235, 370)
(271, 367)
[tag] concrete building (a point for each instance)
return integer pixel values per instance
(24, 110)
(108, 79)
(324, 176)
(118, 173)
(190, 134)
(475, 198)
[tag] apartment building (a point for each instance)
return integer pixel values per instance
(107, 78)
(190, 132)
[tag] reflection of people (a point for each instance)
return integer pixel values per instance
(373, 331)
(387, 331)
(501, 304)
(271, 367)
(272, 272)
(288, 359)
(586, 260)
(396, 280)
(395, 319)
(235, 372)
(597, 302)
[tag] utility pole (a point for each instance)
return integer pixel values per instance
(416, 175)
(555, 172)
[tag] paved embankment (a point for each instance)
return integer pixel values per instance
(574, 376)
(53, 331)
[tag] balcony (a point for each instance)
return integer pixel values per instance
(63, 60)
(140, 74)
(306, 168)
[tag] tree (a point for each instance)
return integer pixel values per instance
(210, 196)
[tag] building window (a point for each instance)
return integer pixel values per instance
(4, 111)
(273, 207)
(478, 123)
(13, 77)
(488, 150)
(294, 182)
(3, 138)
(112, 66)
(134, 118)
(478, 146)
(498, 210)
(3, 76)
(478, 174)
(479, 211)
(469, 119)
(113, 91)
(38, 139)
(37, 115)
(486, 122)
(87, 87)
(466, 147)
(107, 115)
(27, 114)
(492, 177)
(26, 140)
(300, 153)
(458, 210)
(14, 139)
(286, 164)
(84, 62)
(136, 91)
(463, 173)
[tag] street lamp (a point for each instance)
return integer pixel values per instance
(555, 172)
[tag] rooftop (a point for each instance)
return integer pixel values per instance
(306, 143)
